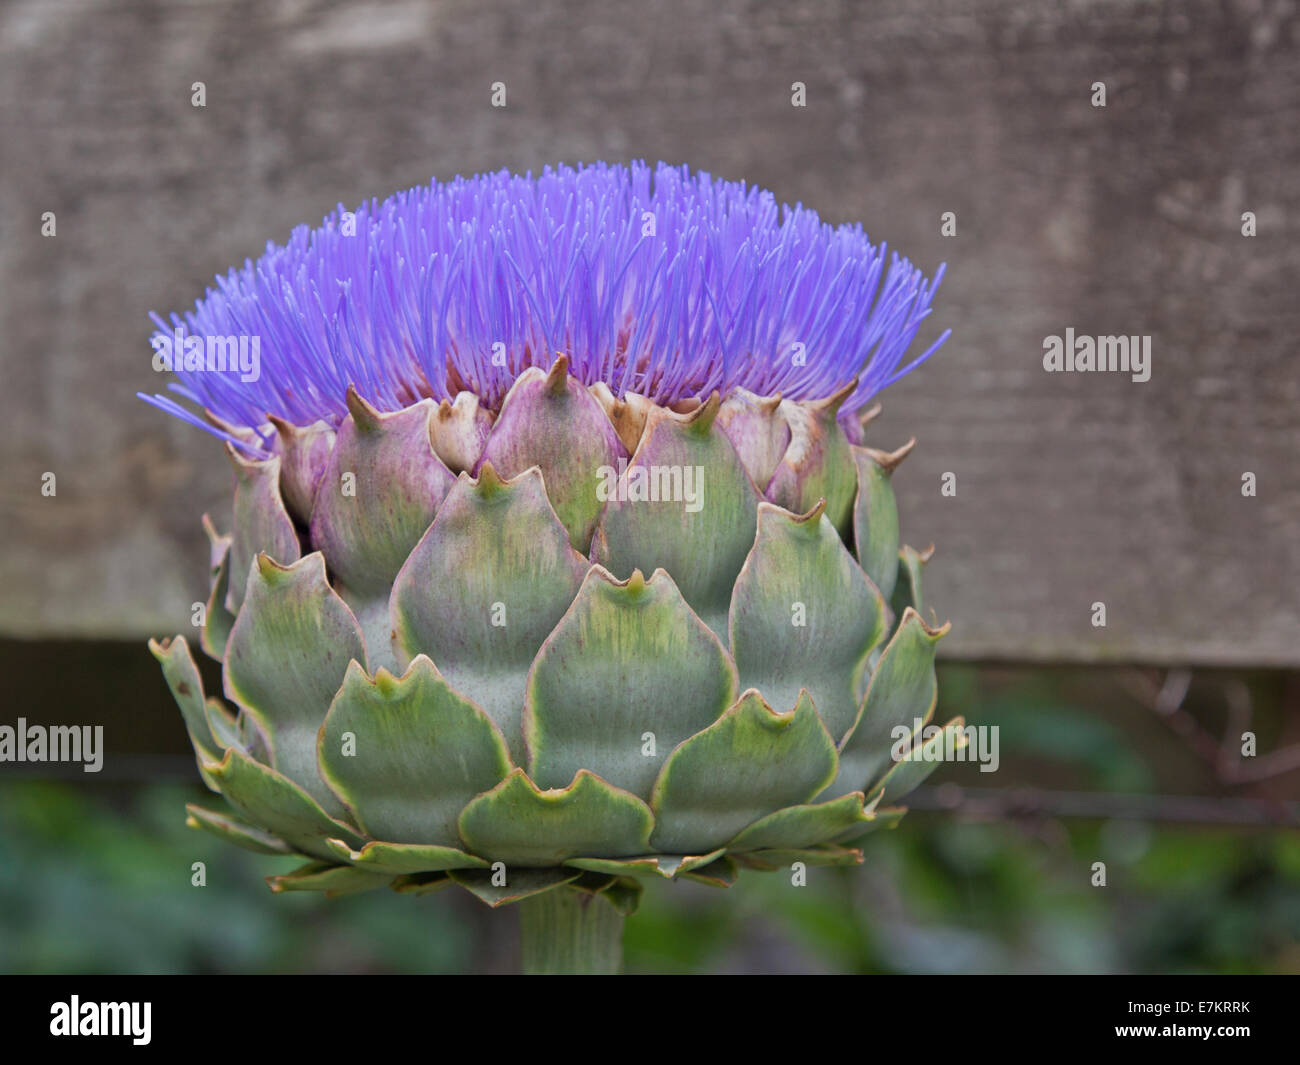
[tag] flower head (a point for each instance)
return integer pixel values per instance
(559, 562)
(664, 282)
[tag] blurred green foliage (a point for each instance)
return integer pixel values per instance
(85, 888)
(96, 877)
(88, 888)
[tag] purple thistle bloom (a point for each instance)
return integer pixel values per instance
(663, 282)
(517, 396)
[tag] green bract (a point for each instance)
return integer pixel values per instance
(452, 654)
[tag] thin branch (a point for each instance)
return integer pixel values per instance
(1220, 755)
(1017, 803)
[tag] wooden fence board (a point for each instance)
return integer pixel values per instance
(1071, 489)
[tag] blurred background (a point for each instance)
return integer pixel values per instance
(1172, 211)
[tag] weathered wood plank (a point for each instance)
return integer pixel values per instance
(1071, 489)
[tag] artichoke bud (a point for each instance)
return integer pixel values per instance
(578, 620)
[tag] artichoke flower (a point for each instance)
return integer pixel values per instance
(558, 561)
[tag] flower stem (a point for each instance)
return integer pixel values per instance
(570, 931)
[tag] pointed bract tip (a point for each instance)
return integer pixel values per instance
(421, 663)
(814, 515)
(771, 716)
(701, 419)
(266, 565)
(635, 587)
(339, 847)
(465, 405)
(830, 405)
(243, 432)
(628, 415)
(934, 632)
(558, 375)
(161, 649)
(284, 428)
(272, 571)
(385, 682)
(869, 415)
(364, 416)
(890, 460)
(489, 483)
(244, 465)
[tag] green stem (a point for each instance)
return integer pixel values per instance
(569, 931)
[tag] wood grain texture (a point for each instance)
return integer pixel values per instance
(1124, 220)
